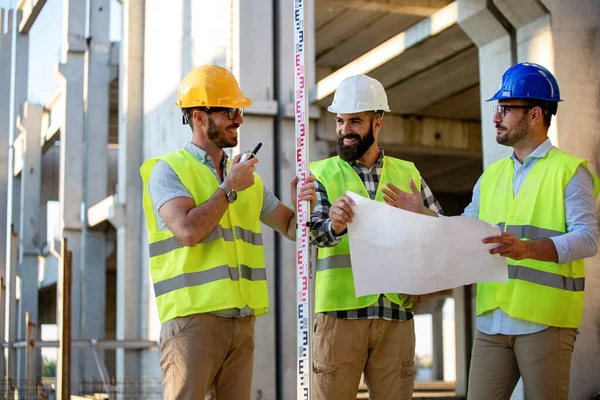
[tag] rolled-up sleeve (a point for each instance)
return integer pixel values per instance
(321, 233)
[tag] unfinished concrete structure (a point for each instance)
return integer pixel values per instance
(82, 148)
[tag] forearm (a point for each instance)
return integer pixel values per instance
(202, 220)
(541, 250)
(291, 228)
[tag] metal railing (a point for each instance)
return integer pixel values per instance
(45, 389)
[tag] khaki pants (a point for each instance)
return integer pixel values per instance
(201, 351)
(343, 349)
(543, 359)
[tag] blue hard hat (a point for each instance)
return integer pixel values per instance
(528, 81)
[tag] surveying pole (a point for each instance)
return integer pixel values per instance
(303, 367)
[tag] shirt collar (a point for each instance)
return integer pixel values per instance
(202, 155)
(539, 152)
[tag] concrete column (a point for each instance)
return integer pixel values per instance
(132, 267)
(571, 42)
(437, 322)
(16, 70)
(5, 74)
(95, 178)
(480, 22)
(20, 88)
(287, 170)
(71, 70)
(29, 124)
(256, 80)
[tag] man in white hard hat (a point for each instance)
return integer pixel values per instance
(370, 334)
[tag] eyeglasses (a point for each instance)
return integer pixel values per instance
(501, 110)
(232, 113)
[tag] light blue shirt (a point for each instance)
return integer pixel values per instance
(580, 241)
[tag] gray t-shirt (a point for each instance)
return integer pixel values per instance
(164, 185)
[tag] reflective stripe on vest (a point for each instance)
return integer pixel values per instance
(544, 278)
(537, 291)
(338, 261)
(211, 275)
(529, 231)
(170, 244)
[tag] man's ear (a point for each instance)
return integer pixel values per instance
(199, 117)
(377, 123)
(536, 116)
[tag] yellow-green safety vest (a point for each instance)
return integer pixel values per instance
(334, 286)
(537, 291)
(227, 268)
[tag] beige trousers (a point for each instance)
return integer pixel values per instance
(204, 351)
(343, 349)
(543, 359)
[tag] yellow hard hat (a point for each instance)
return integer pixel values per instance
(210, 86)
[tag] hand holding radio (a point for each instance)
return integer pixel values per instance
(241, 173)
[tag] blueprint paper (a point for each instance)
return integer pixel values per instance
(398, 251)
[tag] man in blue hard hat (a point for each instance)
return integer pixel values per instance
(544, 201)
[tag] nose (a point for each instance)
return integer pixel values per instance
(238, 119)
(496, 118)
(345, 128)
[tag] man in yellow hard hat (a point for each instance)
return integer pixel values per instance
(203, 214)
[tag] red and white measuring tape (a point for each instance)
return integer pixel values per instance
(303, 367)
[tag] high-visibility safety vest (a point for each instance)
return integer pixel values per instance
(334, 286)
(537, 291)
(227, 268)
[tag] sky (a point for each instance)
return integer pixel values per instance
(45, 39)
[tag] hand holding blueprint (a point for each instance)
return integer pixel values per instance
(397, 251)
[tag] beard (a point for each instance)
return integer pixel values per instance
(356, 151)
(515, 135)
(216, 135)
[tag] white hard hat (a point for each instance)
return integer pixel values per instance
(357, 94)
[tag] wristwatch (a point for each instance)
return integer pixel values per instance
(230, 194)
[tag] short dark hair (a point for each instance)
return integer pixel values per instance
(549, 108)
(187, 115)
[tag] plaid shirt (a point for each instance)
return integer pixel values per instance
(322, 236)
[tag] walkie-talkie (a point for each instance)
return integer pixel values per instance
(248, 155)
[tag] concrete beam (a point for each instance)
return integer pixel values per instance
(479, 22)
(420, 135)
(520, 13)
(100, 212)
(407, 7)
(29, 124)
(18, 152)
(31, 10)
(392, 48)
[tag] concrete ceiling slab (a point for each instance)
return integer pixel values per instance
(347, 29)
